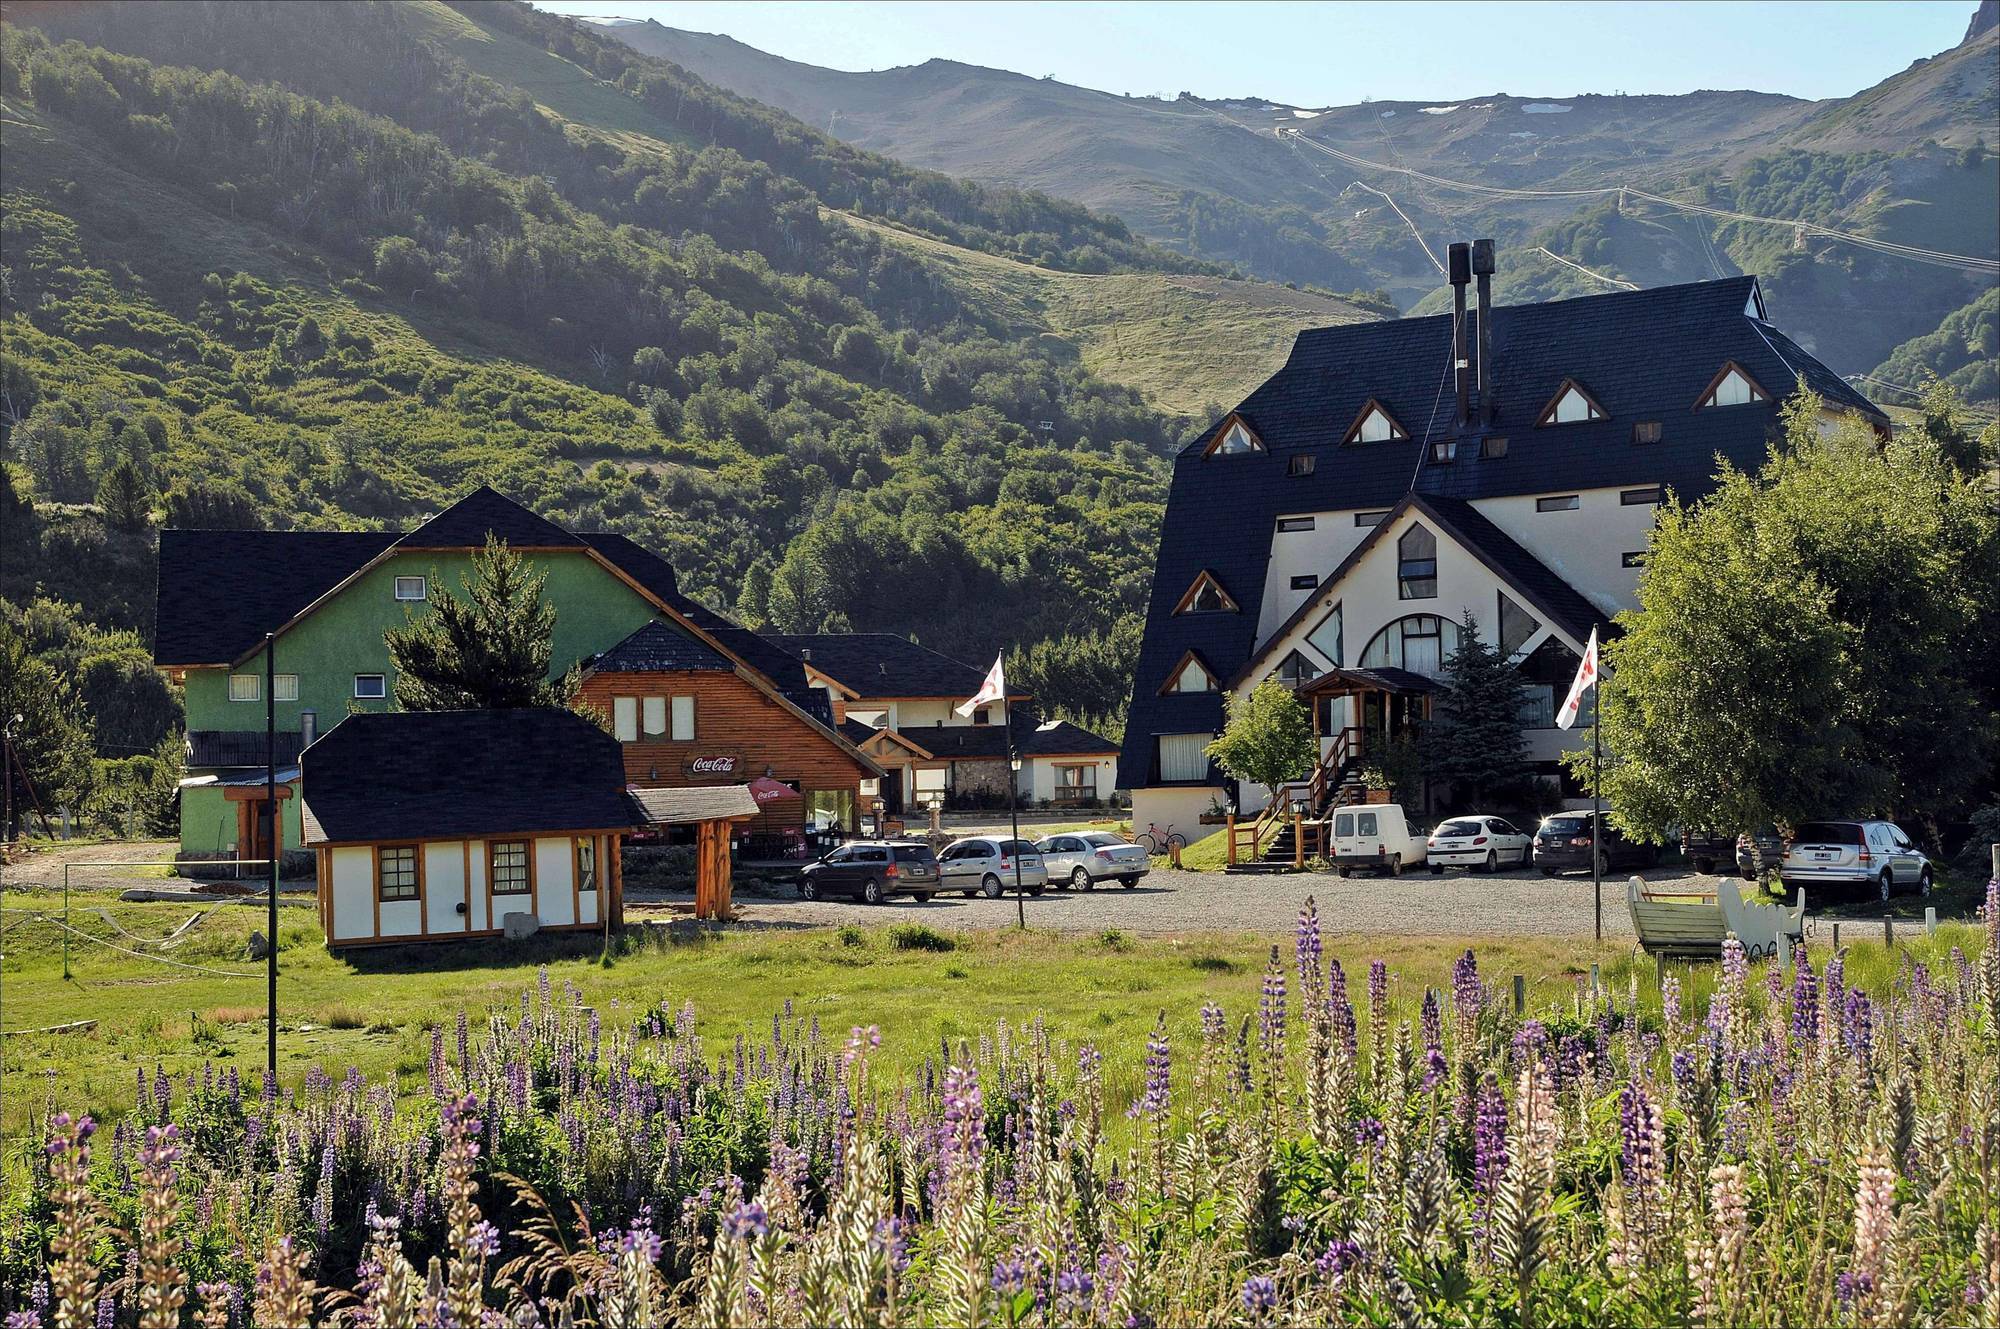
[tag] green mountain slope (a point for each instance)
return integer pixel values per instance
(333, 269)
(1242, 180)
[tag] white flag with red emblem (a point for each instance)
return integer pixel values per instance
(993, 689)
(1586, 677)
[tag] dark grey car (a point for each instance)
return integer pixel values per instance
(872, 871)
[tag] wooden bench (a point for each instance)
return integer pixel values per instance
(1685, 923)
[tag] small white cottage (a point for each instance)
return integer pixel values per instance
(440, 825)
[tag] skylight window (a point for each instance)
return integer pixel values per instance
(1571, 405)
(1732, 387)
(1234, 439)
(1206, 596)
(1375, 425)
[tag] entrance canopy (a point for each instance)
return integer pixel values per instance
(1347, 682)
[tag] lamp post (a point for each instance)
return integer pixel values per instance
(273, 840)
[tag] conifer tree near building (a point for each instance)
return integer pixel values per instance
(488, 651)
(1473, 739)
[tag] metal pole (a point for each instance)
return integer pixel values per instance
(272, 849)
(1014, 810)
(65, 922)
(7, 779)
(1596, 813)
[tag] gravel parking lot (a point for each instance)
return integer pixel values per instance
(1457, 904)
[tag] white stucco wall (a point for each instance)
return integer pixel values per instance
(476, 890)
(444, 887)
(1585, 547)
(1180, 807)
(1038, 775)
(353, 890)
(1313, 553)
(402, 918)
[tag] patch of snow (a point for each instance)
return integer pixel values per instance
(1546, 108)
(1440, 110)
(1524, 133)
(1388, 115)
(1305, 115)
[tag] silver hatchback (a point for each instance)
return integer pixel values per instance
(1867, 854)
(982, 864)
(1080, 860)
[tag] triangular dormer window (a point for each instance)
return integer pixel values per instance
(1233, 439)
(1570, 406)
(1190, 676)
(1375, 425)
(1731, 386)
(1206, 596)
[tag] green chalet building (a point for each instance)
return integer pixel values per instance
(329, 596)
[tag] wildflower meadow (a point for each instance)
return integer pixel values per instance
(1797, 1151)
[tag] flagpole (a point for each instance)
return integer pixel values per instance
(1596, 811)
(1013, 808)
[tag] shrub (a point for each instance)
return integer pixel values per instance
(918, 937)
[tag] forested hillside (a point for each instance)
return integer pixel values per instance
(302, 265)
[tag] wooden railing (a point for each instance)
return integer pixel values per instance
(1328, 786)
(1348, 746)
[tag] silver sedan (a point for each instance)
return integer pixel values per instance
(991, 866)
(1078, 861)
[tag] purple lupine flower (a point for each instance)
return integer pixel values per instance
(1489, 1138)
(1339, 1006)
(1260, 1296)
(746, 1222)
(964, 1136)
(322, 1205)
(641, 1240)
(23, 1320)
(1339, 1258)
(1858, 1030)
(1010, 1277)
(1271, 1008)
(892, 1240)
(1213, 1026)
(1369, 1133)
(1307, 943)
(1158, 1098)
(1431, 1020)
(107, 1311)
(1852, 1287)
(1805, 999)
(1467, 993)
(485, 1238)
(1074, 1282)
(1639, 1140)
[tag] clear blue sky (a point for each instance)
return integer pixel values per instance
(1337, 54)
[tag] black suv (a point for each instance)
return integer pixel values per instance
(872, 871)
(1562, 843)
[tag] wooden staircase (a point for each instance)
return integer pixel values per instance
(1284, 837)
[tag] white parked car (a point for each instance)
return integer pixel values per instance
(1375, 835)
(1872, 855)
(1079, 860)
(1479, 842)
(986, 864)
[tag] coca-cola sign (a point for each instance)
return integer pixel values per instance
(712, 766)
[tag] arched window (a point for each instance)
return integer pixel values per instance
(1420, 643)
(1417, 565)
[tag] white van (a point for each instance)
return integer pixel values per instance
(1375, 835)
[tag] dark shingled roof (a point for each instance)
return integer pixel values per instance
(658, 648)
(483, 512)
(405, 775)
(210, 749)
(1644, 355)
(221, 591)
(882, 664)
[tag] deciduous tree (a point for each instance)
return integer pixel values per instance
(1268, 739)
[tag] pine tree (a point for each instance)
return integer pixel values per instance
(488, 651)
(125, 497)
(1474, 737)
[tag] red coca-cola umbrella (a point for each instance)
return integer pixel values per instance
(766, 790)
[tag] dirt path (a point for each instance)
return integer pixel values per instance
(96, 866)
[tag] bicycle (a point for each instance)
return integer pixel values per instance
(1157, 841)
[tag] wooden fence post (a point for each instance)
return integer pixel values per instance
(1298, 840)
(1836, 936)
(1888, 930)
(1520, 994)
(1930, 920)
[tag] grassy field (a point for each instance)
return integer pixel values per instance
(1185, 343)
(375, 1009)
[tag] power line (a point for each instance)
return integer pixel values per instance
(1917, 253)
(1609, 281)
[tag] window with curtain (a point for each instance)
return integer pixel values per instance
(1420, 643)
(1417, 565)
(625, 719)
(653, 717)
(1182, 757)
(586, 864)
(507, 867)
(683, 720)
(1516, 625)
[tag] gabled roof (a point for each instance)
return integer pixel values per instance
(658, 648)
(980, 742)
(1645, 354)
(219, 592)
(486, 512)
(882, 664)
(422, 775)
(1563, 606)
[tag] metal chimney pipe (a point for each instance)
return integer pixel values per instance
(1482, 266)
(1459, 260)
